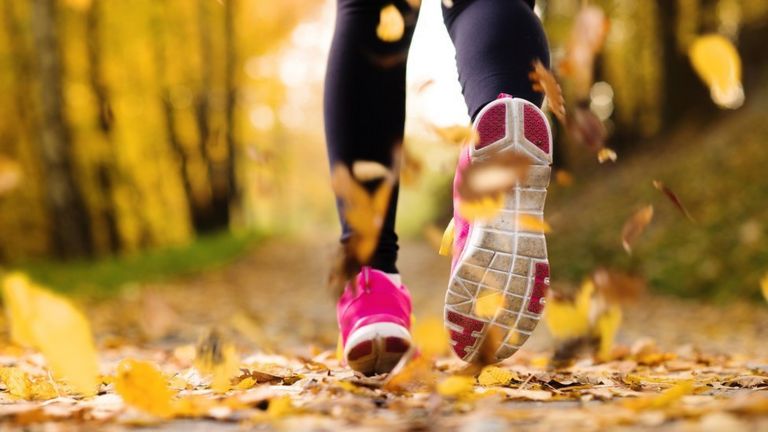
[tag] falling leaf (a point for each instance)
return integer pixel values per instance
(568, 319)
(673, 198)
(49, 323)
(563, 178)
(143, 386)
(492, 176)
(446, 242)
(365, 171)
(10, 175)
(456, 135)
(486, 306)
(391, 24)
(484, 208)
(586, 129)
(363, 212)
(607, 325)
(764, 286)
(456, 386)
(605, 154)
(587, 38)
(424, 85)
(430, 337)
(414, 376)
(617, 287)
(532, 223)
(635, 226)
(496, 376)
(544, 82)
(412, 168)
(718, 64)
(217, 357)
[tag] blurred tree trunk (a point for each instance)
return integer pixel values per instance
(106, 168)
(231, 89)
(684, 95)
(69, 220)
(217, 214)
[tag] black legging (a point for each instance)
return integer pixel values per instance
(496, 41)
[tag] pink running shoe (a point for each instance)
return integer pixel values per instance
(374, 316)
(499, 255)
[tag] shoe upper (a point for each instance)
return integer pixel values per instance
(371, 297)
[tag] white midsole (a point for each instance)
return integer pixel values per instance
(373, 331)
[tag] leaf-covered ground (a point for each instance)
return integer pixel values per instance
(677, 364)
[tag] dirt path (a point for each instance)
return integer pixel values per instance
(708, 372)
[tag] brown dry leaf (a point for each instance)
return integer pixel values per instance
(416, 375)
(544, 82)
(587, 37)
(586, 129)
(673, 198)
(635, 226)
(391, 24)
(143, 386)
(617, 287)
(532, 223)
(217, 357)
(456, 135)
(605, 154)
(10, 175)
(486, 353)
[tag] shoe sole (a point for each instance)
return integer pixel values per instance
(377, 348)
(502, 256)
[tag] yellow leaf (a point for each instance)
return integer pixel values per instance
(496, 376)
(718, 64)
(143, 386)
(607, 326)
(764, 286)
(664, 400)
(456, 386)
(218, 358)
(487, 305)
(430, 336)
(391, 24)
(533, 223)
(605, 154)
(566, 319)
(49, 323)
(457, 134)
(20, 384)
(484, 208)
(245, 384)
(19, 308)
(280, 407)
(446, 244)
